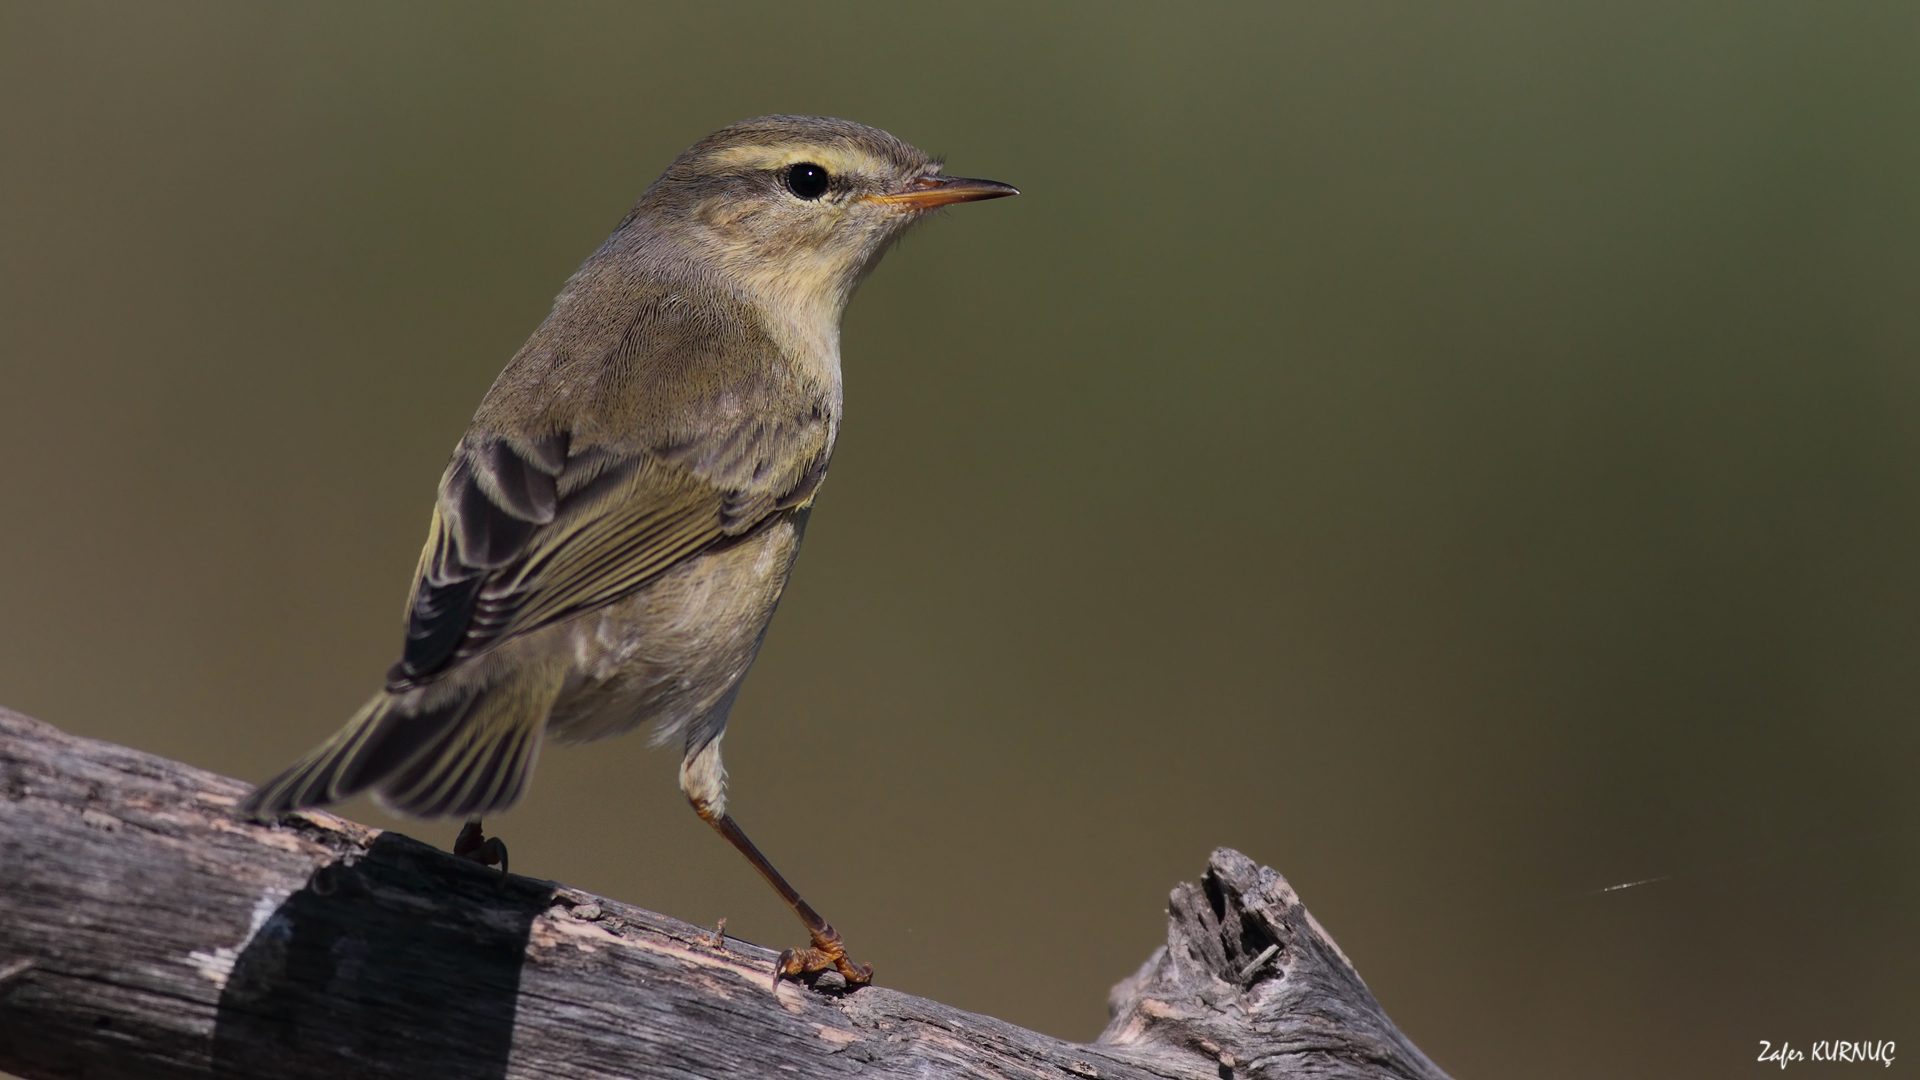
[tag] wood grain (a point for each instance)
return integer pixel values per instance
(146, 931)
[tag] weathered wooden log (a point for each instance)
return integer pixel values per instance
(148, 932)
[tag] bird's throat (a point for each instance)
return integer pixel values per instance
(801, 311)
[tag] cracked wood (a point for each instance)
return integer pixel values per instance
(146, 932)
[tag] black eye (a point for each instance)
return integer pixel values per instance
(807, 180)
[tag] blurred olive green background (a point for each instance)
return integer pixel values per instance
(1464, 456)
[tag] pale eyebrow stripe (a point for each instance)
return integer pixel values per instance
(833, 159)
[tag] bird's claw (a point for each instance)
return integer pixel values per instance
(472, 843)
(827, 953)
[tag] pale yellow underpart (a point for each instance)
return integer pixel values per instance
(803, 296)
(704, 779)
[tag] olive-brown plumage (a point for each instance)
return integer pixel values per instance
(616, 526)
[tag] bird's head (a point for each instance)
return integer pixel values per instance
(797, 209)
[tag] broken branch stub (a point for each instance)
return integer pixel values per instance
(1250, 982)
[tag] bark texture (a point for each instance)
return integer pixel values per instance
(148, 932)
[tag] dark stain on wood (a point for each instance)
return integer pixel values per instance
(347, 978)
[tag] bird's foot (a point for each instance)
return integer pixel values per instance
(472, 843)
(827, 954)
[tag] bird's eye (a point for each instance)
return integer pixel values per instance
(807, 180)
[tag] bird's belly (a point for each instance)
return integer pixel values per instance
(674, 652)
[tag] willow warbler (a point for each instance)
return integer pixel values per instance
(617, 523)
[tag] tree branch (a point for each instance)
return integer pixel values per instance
(147, 932)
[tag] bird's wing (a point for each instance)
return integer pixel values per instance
(527, 533)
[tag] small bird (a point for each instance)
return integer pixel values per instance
(617, 524)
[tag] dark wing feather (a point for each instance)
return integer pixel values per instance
(524, 535)
(493, 498)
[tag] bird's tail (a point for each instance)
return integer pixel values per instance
(459, 754)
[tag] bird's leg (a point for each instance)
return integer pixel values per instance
(472, 843)
(827, 950)
(705, 783)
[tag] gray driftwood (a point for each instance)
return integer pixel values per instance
(145, 931)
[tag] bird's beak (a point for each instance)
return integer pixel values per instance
(931, 191)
